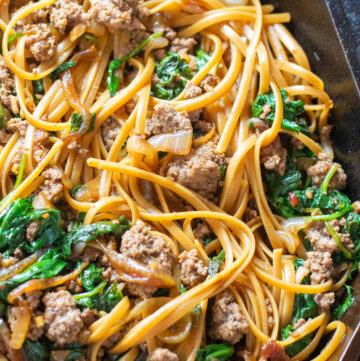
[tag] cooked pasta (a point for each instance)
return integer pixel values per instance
(168, 189)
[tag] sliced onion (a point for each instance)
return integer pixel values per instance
(301, 273)
(14, 355)
(90, 191)
(235, 2)
(21, 325)
(42, 284)
(6, 273)
(41, 202)
(177, 332)
(139, 145)
(132, 271)
(177, 143)
(294, 224)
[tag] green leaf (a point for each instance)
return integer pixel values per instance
(13, 37)
(340, 310)
(38, 86)
(76, 122)
(91, 231)
(20, 171)
(202, 59)
(296, 347)
(219, 352)
(64, 66)
(3, 117)
(298, 262)
(91, 277)
(173, 73)
(91, 38)
(291, 109)
(112, 81)
(36, 351)
(215, 262)
(222, 169)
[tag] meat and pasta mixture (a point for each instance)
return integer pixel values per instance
(168, 188)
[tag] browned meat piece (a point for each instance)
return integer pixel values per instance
(31, 230)
(4, 137)
(209, 83)
(192, 90)
(33, 299)
(74, 286)
(183, 45)
(320, 264)
(162, 354)
(18, 254)
(41, 145)
(270, 312)
(67, 14)
(251, 211)
(272, 351)
(318, 171)
(198, 170)
(141, 245)
(77, 147)
(227, 323)
(41, 42)
(274, 156)
(166, 119)
(88, 317)
(118, 14)
(62, 318)
(35, 331)
(259, 124)
(109, 131)
(324, 300)
(201, 231)
(300, 322)
(52, 187)
(321, 239)
(7, 89)
(193, 269)
(17, 125)
(111, 275)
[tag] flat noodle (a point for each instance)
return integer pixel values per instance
(117, 205)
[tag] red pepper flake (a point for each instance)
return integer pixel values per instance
(294, 199)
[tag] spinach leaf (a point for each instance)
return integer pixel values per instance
(353, 227)
(222, 170)
(38, 86)
(99, 295)
(297, 346)
(291, 109)
(49, 265)
(298, 262)
(209, 238)
(91, 277)
(112, 81)
(64, 66)
(75, 189)
(202, 59)
(3, 117)
(75, 353)
(91, 38)
(173, 73)
(36, 351)
(304, 307)
(13, 37)
(15, 218)
(90, 232)
(340, 310)
(215, 262)
(76, 122)
(219, 352)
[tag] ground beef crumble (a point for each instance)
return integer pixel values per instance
(182, 45)
(162, 354)
(109, 131)
(198, 170)
(273, 156)
(227, 323)
(193, 268)
(7, 89)
(118, 14)
(67, 13)
(318, 171)
(166, 119)
(62, 318)
(141, 245)
(52, 187)
(41, 42)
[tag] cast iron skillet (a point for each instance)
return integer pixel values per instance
(322, 29)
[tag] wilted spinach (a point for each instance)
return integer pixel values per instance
(296, 347)
(64, 66)
(219, 352)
